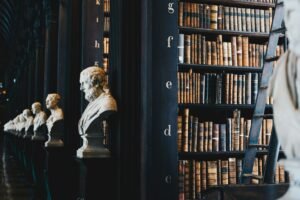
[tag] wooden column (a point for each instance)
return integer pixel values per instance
(51, 37)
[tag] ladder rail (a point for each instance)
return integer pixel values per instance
(260, 104)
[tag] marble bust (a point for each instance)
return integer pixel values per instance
(9, 126)
(285, 90)
(21, 123)
(28, 122)
(55, 121)
(39, 122)
(101, 106)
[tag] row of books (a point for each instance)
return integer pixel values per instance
(224, 18)
(106, 45)
(106, 24)
(106, 6)
(237, 51)
(260, 1)
(194, 135)
(196, 176)
(222, 88)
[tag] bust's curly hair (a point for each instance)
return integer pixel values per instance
(95, 74)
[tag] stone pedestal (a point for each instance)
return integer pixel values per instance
(38, 168)
(97, 178)
(29, 133)
(40, 134)
(293, 167)
(55, 173)
(55, 135)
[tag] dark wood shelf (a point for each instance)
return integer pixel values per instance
(239, 3)
(106, 14)
(106, 33)
(221, 106)
(106, 55)
(190, 30)
(219, 155)
(217, 68)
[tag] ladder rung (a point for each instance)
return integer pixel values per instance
(272, 59)
(259, 145)
(264, 87)
(279, 30)
(253, 176)
(279, 2)
(262, 115)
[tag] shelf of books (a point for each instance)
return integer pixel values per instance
(221, 49)
(106, 30)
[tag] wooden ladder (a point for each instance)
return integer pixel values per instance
(259, 112)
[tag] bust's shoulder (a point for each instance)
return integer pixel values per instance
(107, 102)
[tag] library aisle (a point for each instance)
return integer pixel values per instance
(14, 183)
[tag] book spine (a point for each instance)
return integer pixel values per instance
(214, 17)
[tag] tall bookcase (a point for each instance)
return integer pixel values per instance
(221, 50)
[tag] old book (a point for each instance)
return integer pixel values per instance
(219, 88)
(180, 13)
(231, 85)
(235, 15)
(192, 48)
(255, 171)
(214, 59)
(179, 133)
(236, 122)
(269, 130)
(281, 174)
(239, 89)
(239, 51)
(214, 17)
(262, 21)
(220, 17)
(244, 89)
(234, 51)
(181, 179)
(227, 18)
(181, 87)
(199, 49)
(257, 20)
(227, 88)
(247, 132)
(202, 90)
(210, 135)
(239, 14)
(203, 176)
(248, 19)
(222, 136)
(198, 179)
(224, 171)
(220, 49)
(190, 89)
(245, 49)
(208, 50)
(195, 134)
(201, 136)
(225, 53)
(232, 170)
(242, 134)
(231, 18)
(206, 136)
(244, 20)
(190, 136)
(187, 180)
(235, 88)
(193, 179)
(229, 52)
(253, 20)
(239, 171)
(215, 137)
(186, 131)
(254, 87)
(212, 171)
(181, 48)
(229, 134)
(187, 49)
(203, 50)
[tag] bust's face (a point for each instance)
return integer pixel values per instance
(87, 87)
(35, 108)
(291, 19)
(51, 102)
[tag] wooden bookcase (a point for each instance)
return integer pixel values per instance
(216, 113)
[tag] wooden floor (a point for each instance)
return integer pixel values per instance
(14, 184)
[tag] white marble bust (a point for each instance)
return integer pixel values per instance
(52, 101)
(28, 119)
(285, 90)
(9, 126)
(92, 82)
(40, 116)
(21, 122)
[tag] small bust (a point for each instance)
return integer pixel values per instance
(9, 126)
(52, 101)
(40, 116)
(101, 105)
(21, 122)
(28, 119)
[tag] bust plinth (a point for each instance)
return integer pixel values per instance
(55, 134)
